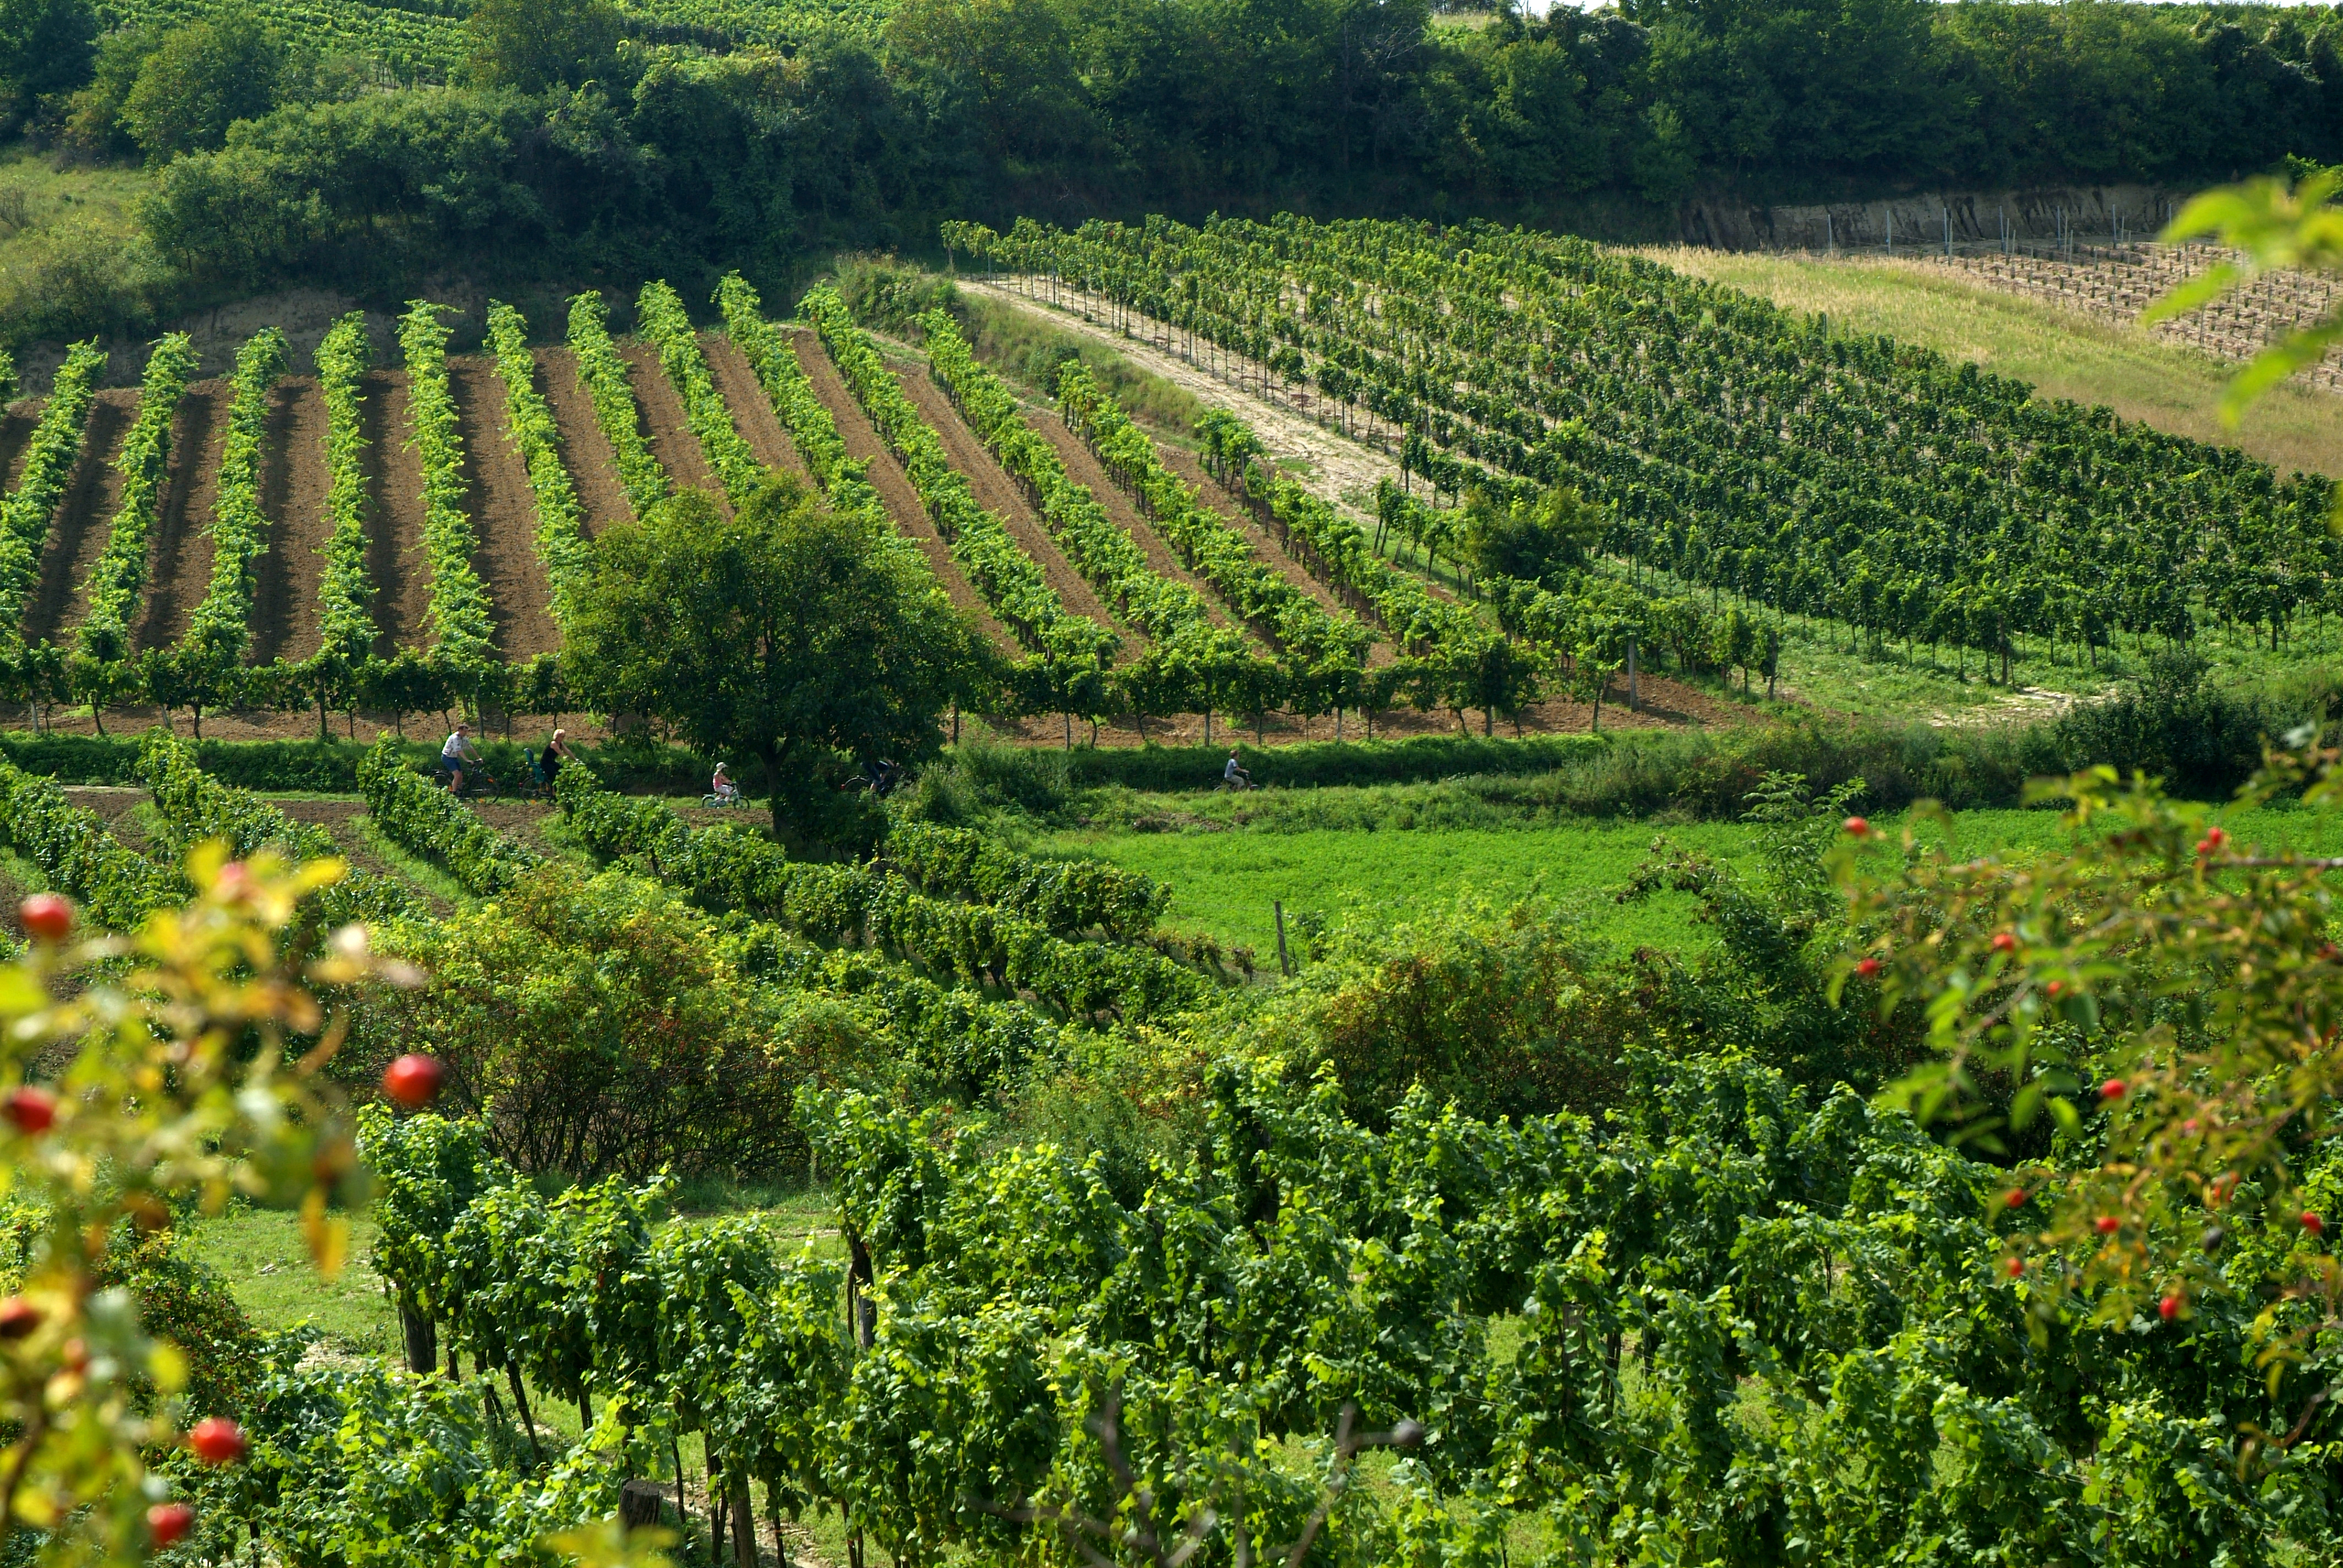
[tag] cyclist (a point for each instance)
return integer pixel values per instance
(1234, 776)
(727, 792)
(456, 755)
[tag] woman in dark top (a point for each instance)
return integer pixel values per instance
(557, 752)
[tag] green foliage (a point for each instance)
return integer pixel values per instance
(782, 633)
(48, 463)
(45, 47)
(345, 591)
(201, 80)
(119, 576)
(425, 820)
(561, 543)
(117, 888)
(666, 328)
(534, 45)
(605, 375)
(458, 613)
(221, 627)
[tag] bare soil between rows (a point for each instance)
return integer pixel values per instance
(286, 620)
(77, 533)
(752, 411)
(394, 470)
(667, 427)
(504, 514)
(585, 450)
(179, 553)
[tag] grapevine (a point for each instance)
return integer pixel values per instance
(667, 327)
(561, 542)
(48, 464)
(604, 372)
(119, 576)
(458, 609)
(221, 626)
(345, 591)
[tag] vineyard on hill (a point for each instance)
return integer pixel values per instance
(1731, 444)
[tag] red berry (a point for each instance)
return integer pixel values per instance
(31, 1110)
(2015, 1197)
(2169, 1308)
(413, 1080)
(2003, 943)
(2109, 1224)
(2189, 1128)
(47, 916)
(2014, 1266)
(1869, 968)
(2055, 986)
(217, 1441)
(18, 1317)
(169, 1522)
(2312, 1222)
(2214, 838)
(1857, 826)
(2113, 1088)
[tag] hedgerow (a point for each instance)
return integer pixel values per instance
(561, 542)
(221, 626)
(41, 483)
(604, 372)
(119, 576)
(458, 607)
(425, 820)
(667, 327)
(345, 591)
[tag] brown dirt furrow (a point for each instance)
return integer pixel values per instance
(665, 425)
(585, 450)
(77, 533)
(504, 512)
(16, 433)
(341, 820)
(179, 563)
(752, 411)
(911, 520)
(393, 473)
(285, 614)
(997, 494)
(1085, 470)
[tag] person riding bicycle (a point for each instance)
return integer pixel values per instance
(727, 793)
(557, 752)
(456, 755)
(1234, 776)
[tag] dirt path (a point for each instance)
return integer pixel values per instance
(179, 564)
(1084, 469)
(752, 411)
(585, 450)
(15, 434)
(78, 532)
(665, 425)
(886, 475)
(1339, 468)
(998, 494)
(340, 818)
(285, 614)
(117, 806)
(504, 514)
(394, 474)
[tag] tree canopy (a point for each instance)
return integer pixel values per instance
(788, 633)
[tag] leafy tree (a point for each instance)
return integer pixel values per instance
(45, 47)
(1532, 541)
(788, 633)
(534, 45)
(203, 79)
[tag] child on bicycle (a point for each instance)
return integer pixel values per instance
(727, 792)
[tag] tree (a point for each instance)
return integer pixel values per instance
(1531, 542)
(45, 47)
(534, 45)
(202, 80)
(788, 633)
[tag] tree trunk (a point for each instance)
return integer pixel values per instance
(744, 1525)
(422, 1341)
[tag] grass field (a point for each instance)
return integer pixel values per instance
(1227, 881)
(2063, 353)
